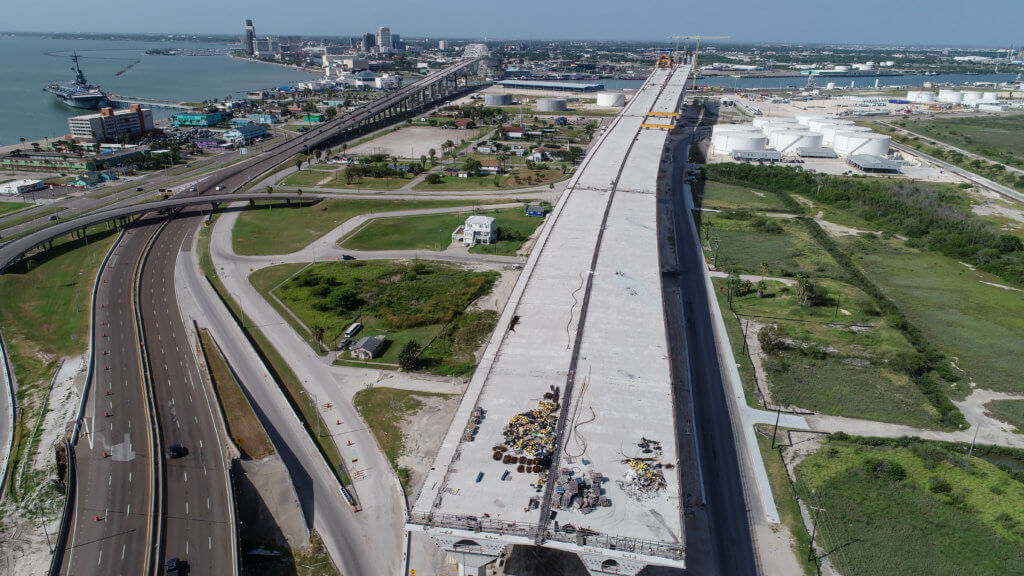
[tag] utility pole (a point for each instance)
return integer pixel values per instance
(971, 451)
(775, 431)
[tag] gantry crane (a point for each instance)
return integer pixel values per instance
(698, 38)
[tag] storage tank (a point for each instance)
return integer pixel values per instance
(828, 132)
(805, 119)
(847, 143)
(921, 96)
(789, 140)
(552, 105)
(498, 99)
(762, 121)
(971, 98)
(990, 97)
(950, 96)
(729, 141)
(816, 125)
(991, 107)
(611, 99)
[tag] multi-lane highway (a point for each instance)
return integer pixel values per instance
(110, 526)
(197, 494)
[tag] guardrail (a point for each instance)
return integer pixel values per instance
(62, 535)
(12, 413)
(155, 544)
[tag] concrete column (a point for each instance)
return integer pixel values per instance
(471, 564)
(599, 565)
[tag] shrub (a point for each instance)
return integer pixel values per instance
(771, 339)
(886, 469)
(408, 358)
(433, 178)
(939, 486)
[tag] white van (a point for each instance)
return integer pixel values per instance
(353, 329)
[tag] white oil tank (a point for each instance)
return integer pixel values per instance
(991, 107)
(805, 119)
(971, 98)
(728, 142)
(951, 97)
(787, 141)
(990, 97)
(552, 105)
(828, 132)
(921, 96)
(611, 99)
(816, 125)
(847, 143)
(763, 121)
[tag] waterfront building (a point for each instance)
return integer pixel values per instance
(196, 119)
(250, 38)
(245, 134)
(110, 125)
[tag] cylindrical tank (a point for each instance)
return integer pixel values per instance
(847, 143)
(611, 99)
(762, 121)
(950, 96)
(921, 96)
(723, 128)
(789, 140)
(828, 132)
(991, 107)
(498, 99)
(990, 97)
(728, 142)
(971, 98)
(816, 125)
(805, 119)
(552, 105)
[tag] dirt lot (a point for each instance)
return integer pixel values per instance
(412, 141)
(423, 433)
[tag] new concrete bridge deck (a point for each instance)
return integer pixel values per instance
(586, 318)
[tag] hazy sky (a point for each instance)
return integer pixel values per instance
(935, 22)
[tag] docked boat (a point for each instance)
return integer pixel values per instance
(78, 94)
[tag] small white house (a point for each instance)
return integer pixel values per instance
(476, 230)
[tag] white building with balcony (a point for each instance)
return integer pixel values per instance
(476, 230)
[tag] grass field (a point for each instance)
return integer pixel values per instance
(384, 409)
(8, 207)
(518, 178)
(980, 326)
(920, 509)
(405, 301)
(999, 138)
(367, 183)
(742, 247)
(277, 228)
(306, 177)
(726, 196)
(243, 426)
(785, 501)
(428, 231)
(45, 316)
(1009, 411)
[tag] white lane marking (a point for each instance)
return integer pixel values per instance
(186, 507)
(100, 559)
(186, 475)
(110, 478)
(200, 443)
(204, 470)
(209, 542)
(186, 547)
(207, 502)
(122, 551)
(129, 476)
(128, 512)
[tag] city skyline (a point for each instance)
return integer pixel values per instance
(871, 22)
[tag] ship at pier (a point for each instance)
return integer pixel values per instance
(78, 94)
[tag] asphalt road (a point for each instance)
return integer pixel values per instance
(730, 551)
(197, 496)
(110, 522)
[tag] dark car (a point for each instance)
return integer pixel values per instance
(177, 451)
(347, 257)
(345, 344)
(54, 217)
(175, 566)
(138, 189)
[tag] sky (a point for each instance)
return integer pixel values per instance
(906, 22)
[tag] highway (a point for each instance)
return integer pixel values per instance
(198, 501)
(114, 493)
(730, 549)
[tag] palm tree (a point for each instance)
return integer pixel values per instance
(318, 335)
(22, 141)
(432, 153)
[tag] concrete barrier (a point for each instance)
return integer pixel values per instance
(12, 412)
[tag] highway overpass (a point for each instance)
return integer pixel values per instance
(567, 436)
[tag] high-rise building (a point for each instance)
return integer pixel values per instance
(384, 39)
(109, 124)
(396, 42)
(250, 38)
(369, 41)
(442, 45)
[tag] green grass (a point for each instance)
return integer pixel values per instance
(279, 228)
(404, 301)
(726, 196)
(743, 248)
(384, 409)
(423, 232)
(518, 178)
(45, 316)
(366, 183)
(998, 138)
(46, 211)
(453, 351)
(306, 177)
(1009, 411)
(785, 501)
(734, 328)
(950, 515)
(8, 207)
(980, 327)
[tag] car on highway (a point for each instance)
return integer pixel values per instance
(138, 188)
(175, 566)
(347, 257)
(54, 217)
(219, 188)
(177, 451)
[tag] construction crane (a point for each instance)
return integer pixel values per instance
(698, 38)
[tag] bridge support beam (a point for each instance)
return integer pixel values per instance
(599, 565)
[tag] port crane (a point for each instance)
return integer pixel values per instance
(698, 38)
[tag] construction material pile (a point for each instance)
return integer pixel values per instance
(583, 492)
(533, 432)
(645, 476)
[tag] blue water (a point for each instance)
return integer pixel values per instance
(28, 112)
